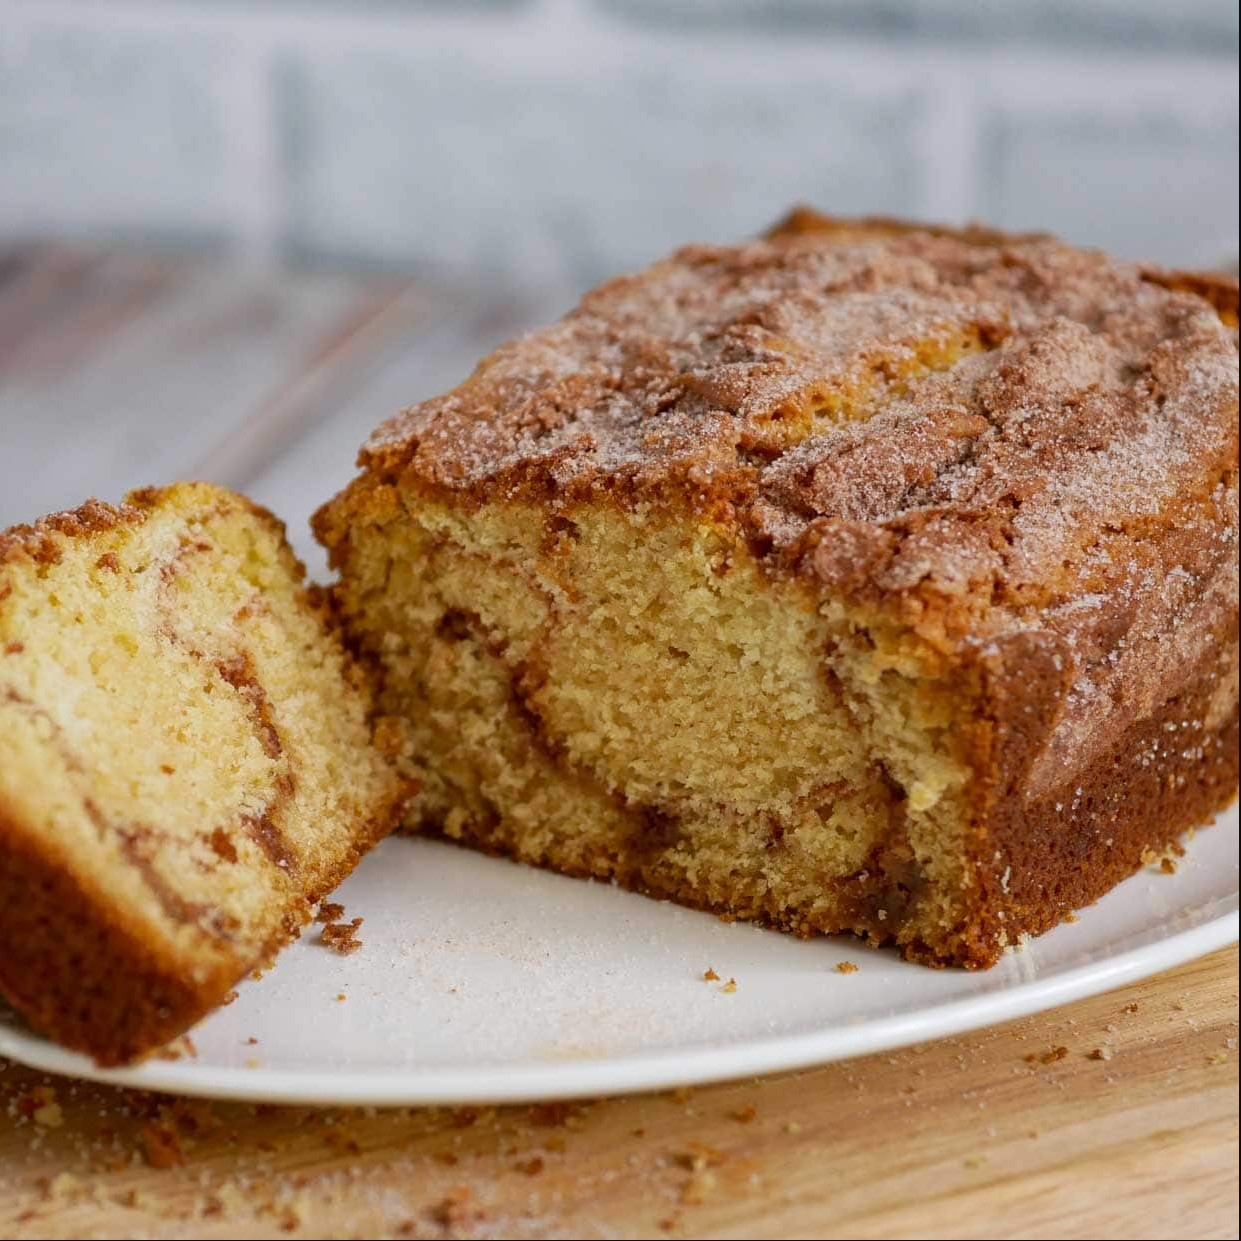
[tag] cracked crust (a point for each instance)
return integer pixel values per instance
(981, 434)
(1018, 456)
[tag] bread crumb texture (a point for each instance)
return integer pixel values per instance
(864, 578)
(185, 762)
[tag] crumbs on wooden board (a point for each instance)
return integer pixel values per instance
(458, 1211)
(1047, 1057)
(161, 1145)
(41, 1106)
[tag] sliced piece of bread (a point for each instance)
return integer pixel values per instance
(185, 762)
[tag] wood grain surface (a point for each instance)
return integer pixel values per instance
(1024, 1130)
(121, 368)
(1116, 1117)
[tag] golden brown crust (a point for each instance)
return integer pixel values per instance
(38, 543)
(1021, 453)
(730, 372)
(1218, 288)
(988, 425)
(803, 219)
(1043, 851)
(87, 976)
(77, 970)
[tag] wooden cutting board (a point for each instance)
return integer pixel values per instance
(1114, 1117)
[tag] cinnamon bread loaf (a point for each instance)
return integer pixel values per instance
(867, 577)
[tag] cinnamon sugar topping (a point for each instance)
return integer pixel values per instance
(976, 407)
(1001, 439)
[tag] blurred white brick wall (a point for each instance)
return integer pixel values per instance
(565, 139)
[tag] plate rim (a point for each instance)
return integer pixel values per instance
(601, 1076)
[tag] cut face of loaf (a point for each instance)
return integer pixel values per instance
(185, 763)
(861, 579)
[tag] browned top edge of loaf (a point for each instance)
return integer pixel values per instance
(1093, 398)
(40, 541)
(1059, 503)
(79, 966)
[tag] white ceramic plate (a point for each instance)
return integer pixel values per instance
(482, 981)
